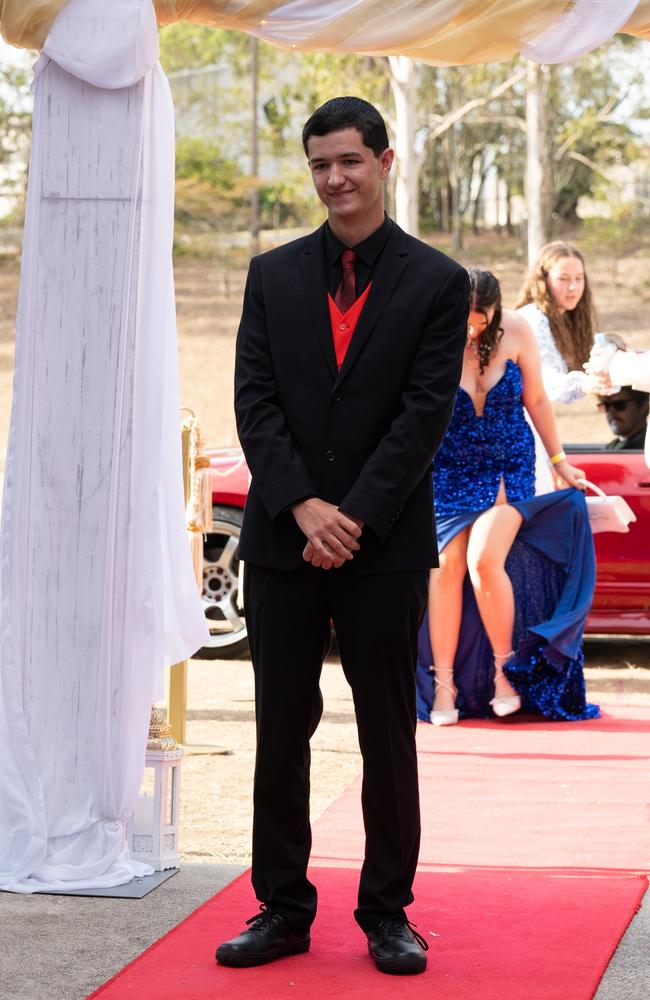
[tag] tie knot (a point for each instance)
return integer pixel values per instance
(347, 260)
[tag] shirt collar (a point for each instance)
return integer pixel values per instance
(368, 250)
(637, 439)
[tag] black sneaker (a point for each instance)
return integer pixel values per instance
(268, 937)
(397, 948)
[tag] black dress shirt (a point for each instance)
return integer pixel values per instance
(368, 253)
(633, 443)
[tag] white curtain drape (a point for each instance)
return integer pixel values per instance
(97, 588)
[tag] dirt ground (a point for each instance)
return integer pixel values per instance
(209, 302)
(216, 805)
(216, 796)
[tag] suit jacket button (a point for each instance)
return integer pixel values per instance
(330, 456)
(337, 397)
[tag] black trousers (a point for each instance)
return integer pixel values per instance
(376, 618)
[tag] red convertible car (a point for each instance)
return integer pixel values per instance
(621, 602)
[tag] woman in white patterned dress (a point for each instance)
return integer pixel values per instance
(556, 301)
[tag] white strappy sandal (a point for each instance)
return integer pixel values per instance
(510, 704)
(447, 716)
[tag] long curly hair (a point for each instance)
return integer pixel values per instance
(485, 292)
(573, 330)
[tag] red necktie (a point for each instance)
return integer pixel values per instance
(346, 293)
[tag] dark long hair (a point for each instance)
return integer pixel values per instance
(485, 292)
(573, 330)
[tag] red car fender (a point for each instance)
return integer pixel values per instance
(621, 602)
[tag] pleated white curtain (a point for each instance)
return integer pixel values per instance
(97, 587)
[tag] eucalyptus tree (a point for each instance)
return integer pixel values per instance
(15, 133)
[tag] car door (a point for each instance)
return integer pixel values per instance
(622, 597)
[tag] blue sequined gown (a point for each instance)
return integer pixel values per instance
(551, 563)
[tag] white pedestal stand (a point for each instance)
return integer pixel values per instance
(152, 831)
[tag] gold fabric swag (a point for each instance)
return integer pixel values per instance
(444, 32)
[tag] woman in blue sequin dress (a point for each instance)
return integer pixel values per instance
(508, 603)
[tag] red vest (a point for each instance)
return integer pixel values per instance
(344, 324)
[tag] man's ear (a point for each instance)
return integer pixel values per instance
(386, 162)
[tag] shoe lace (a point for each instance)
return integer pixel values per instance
(397, 926)
(264, 920)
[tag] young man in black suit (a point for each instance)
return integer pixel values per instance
(349, 354)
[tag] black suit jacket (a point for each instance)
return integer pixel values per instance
(363, 437)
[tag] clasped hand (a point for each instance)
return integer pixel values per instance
(332, 536)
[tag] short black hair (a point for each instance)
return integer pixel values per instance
(348, 112)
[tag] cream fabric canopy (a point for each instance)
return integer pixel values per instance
(445, 32)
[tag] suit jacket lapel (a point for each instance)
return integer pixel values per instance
(313, 270)
(389, 268)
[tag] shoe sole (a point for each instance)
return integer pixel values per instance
(245, 960)
(396, 967)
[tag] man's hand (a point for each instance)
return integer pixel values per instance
(598, 363)
(599, 385)
(331, 534)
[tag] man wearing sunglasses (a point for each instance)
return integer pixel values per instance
(627, 415)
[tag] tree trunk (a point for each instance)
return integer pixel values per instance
(454, 191)
(483, 172)
(509, 226)
(445, 207)
(255, 191)
(407, 161)
(537, 161)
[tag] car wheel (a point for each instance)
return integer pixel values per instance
(223, 610)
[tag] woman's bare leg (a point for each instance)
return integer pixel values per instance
(491, 538)
(445, 611)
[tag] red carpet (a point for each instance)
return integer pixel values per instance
(534, 848)
(493, 936)
(531, 793)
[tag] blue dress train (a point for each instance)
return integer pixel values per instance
(551, 563)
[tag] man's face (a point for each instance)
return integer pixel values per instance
(348, 177)
(624, 414)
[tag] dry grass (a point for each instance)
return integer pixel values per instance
(209, 302)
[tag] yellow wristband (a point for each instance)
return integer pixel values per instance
(556, 459)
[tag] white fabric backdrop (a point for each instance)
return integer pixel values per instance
(97, 587)
(584, 26)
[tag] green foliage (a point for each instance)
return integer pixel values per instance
(15, 134)
(211, 192)
(488, 137)
(210, 73)
(618, 234)
(192, 46)
(592, 104)
(203, 161)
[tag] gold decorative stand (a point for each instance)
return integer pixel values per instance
(177, 688)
